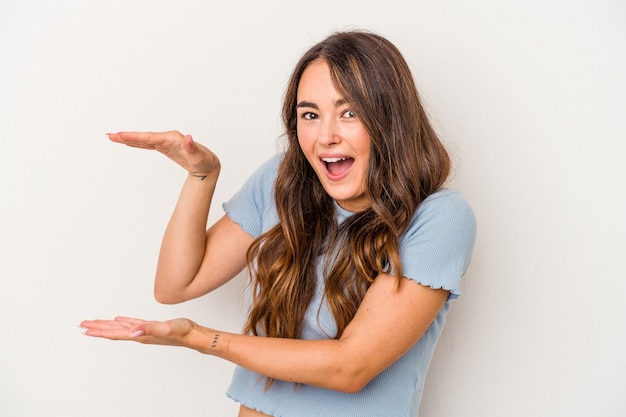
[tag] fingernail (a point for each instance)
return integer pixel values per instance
(136, 333)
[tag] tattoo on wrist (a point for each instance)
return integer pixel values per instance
(215, 339)
(202, 177)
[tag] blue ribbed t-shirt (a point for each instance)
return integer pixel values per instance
(435, 251)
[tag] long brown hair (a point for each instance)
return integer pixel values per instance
(407, 163)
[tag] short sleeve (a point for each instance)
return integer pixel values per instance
(252, 207)
(436, 248)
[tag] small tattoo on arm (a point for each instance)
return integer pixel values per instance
(202, 177)
(215, 339)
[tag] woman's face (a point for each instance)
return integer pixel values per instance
(332, 138)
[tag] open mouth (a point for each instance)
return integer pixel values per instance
(337, 167)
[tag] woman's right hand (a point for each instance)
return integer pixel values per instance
(182, 149)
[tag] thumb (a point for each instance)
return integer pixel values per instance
(154, 328)
(137, 332)
(188, 144)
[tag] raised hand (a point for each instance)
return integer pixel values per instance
(192, 156)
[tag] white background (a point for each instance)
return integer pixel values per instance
(529, 96)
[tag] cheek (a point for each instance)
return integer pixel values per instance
(304, 140)
(364, 145)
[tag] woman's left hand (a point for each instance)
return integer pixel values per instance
(172, 332)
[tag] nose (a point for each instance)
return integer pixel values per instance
(328, 133)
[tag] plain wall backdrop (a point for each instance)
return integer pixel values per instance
(528, 95)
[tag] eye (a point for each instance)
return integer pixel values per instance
(308, 115)
(348, 114)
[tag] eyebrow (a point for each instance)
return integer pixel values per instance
(338, 103)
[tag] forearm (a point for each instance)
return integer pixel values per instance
(389, 321)
(392, 317)
(183, 245)
(322, 363)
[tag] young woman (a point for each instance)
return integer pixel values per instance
(354, 247)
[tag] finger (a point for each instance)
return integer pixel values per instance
(130, 320)
(146, 138)
(157, 330)
(188, 144)
(152, 333)
(115, 334)
(132, 141)
(108, 332)
(134, 325)
(105, 325)
(135, 333)
(139, 145)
